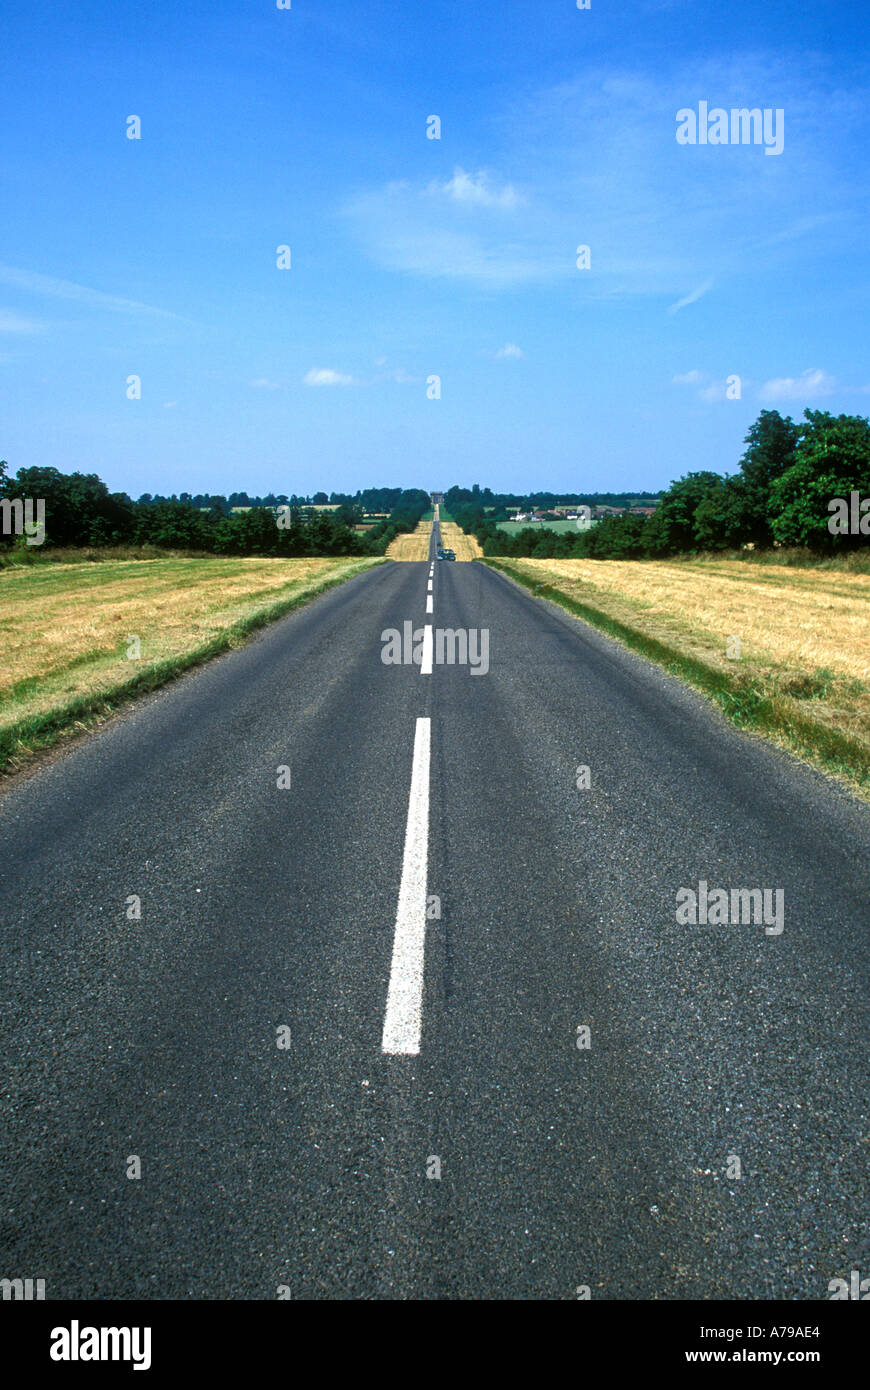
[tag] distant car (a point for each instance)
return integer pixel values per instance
(439, 554)
(448, 555)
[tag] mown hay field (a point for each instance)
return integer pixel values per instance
(452, 538)
(67, 630)
(413, 546)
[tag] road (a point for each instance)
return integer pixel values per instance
(312, 1168)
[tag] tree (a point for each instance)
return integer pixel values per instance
(671, 529)
(79, 509)
(720, 516)
(772, 442)
(832, 460)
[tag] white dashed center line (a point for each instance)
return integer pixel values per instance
(403, 1019)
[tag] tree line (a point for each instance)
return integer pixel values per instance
(783, 495)
(80, 511)
(498, 505)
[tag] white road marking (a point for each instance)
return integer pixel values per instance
(426, 662)
(429, 586)
(403, 1018)
(429, 607)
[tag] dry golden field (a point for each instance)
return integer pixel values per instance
(800, 667)
(452, 538)
(65, 629)
(412, 547)
(802, 618)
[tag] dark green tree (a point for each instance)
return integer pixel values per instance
(832, 460)
(772, 441)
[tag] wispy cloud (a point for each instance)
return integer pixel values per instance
(691, 298)
(706, 387)
(594, 161)
(49, 287)
(262, 383)
(811, 384)
(471, 228)
(325, 376)
(477, 190)
(510, 350)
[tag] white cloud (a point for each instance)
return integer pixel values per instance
(262, 383)
(325, 376)
(811, 383)
(510, 350)
(708, 388)
(691, 298)
(466, 229)
(476, 190)
(52, 288)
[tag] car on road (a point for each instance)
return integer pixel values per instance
(445, 555)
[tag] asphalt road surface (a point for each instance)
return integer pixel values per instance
(423, 919)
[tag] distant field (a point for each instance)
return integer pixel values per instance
(65, 630)
(803, 671)
(414, 546)
(513, 528)
(466, 547)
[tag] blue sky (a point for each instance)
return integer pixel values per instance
(414, 257)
